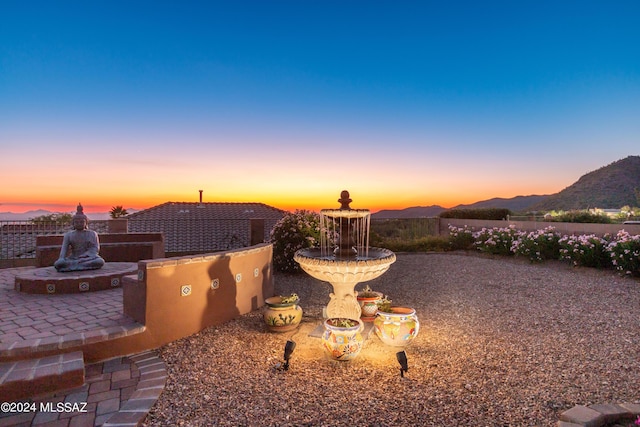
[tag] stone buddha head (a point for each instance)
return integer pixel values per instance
(80, 220)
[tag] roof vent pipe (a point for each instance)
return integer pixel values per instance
(200, 196)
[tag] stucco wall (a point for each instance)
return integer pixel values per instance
(223, 285)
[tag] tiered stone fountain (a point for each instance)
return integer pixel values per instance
(344, 257)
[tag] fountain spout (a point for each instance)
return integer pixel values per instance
(345, 249)
(344, 201)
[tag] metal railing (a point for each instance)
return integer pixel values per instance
(404, 228)
(18, 238)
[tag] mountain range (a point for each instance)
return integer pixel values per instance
(609, 187)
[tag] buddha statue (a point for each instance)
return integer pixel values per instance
(80, 247)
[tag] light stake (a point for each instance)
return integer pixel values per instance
(288, 349)
(402, 360)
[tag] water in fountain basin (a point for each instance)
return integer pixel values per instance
(344, 234)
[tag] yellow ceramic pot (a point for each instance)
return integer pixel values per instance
(398, 327)
(281, 317)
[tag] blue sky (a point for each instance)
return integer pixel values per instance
(288, 103)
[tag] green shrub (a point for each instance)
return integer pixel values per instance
(585, 250)
(625, 253)
(54, 217)
(424, 244)
(460, 238)
(297, 230)
(490, 213)
(537, 245)
(581, 217)
(496, 241)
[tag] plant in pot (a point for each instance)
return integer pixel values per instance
(368, 300)
(395, 326)
(282, 313)
(342, 339)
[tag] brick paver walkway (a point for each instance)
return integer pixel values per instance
(118, 391)
(32, 317)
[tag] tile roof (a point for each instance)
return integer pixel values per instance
(204, 227)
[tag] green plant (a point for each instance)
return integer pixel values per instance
(460, 238)
(384, 304)
(537, 245)
(621, 251)
(580, 217)
(367, 292)
(289, 298)
(625, 253)
(54, 217)
(497, 241)
(343, 322)
(117, 212)
(489, 213)
(294, 231)
(585, 250)
(423, 244)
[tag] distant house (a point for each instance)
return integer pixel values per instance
(206, 227)
(611, 213)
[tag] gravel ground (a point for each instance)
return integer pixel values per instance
(502, 342)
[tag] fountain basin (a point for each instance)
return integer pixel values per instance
(344, 275)
(332, 270)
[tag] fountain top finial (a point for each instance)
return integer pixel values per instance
(344, 200)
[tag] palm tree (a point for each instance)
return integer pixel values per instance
(117, 212)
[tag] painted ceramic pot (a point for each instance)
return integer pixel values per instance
(398, 327)
(342, 339)
(369, 305)
(281, 317)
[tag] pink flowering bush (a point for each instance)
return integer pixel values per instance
(460, 237)
(585, 250)
(497, 241)
(625, 253)
(537, 245)
(621, 251)
(297, 230)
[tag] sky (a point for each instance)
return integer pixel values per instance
(136, 103)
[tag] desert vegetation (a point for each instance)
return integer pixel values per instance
(621, 251)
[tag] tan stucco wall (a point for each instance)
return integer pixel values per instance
(224, 285)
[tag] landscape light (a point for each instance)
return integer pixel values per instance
(402, 360)
(288, 349)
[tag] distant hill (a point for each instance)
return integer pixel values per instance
(514, 204)
(610, 187)
(414, 212)
(11, 216)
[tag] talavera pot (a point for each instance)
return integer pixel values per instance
(340, 342)
(281, 317)
(369, 305)
(398, 327)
